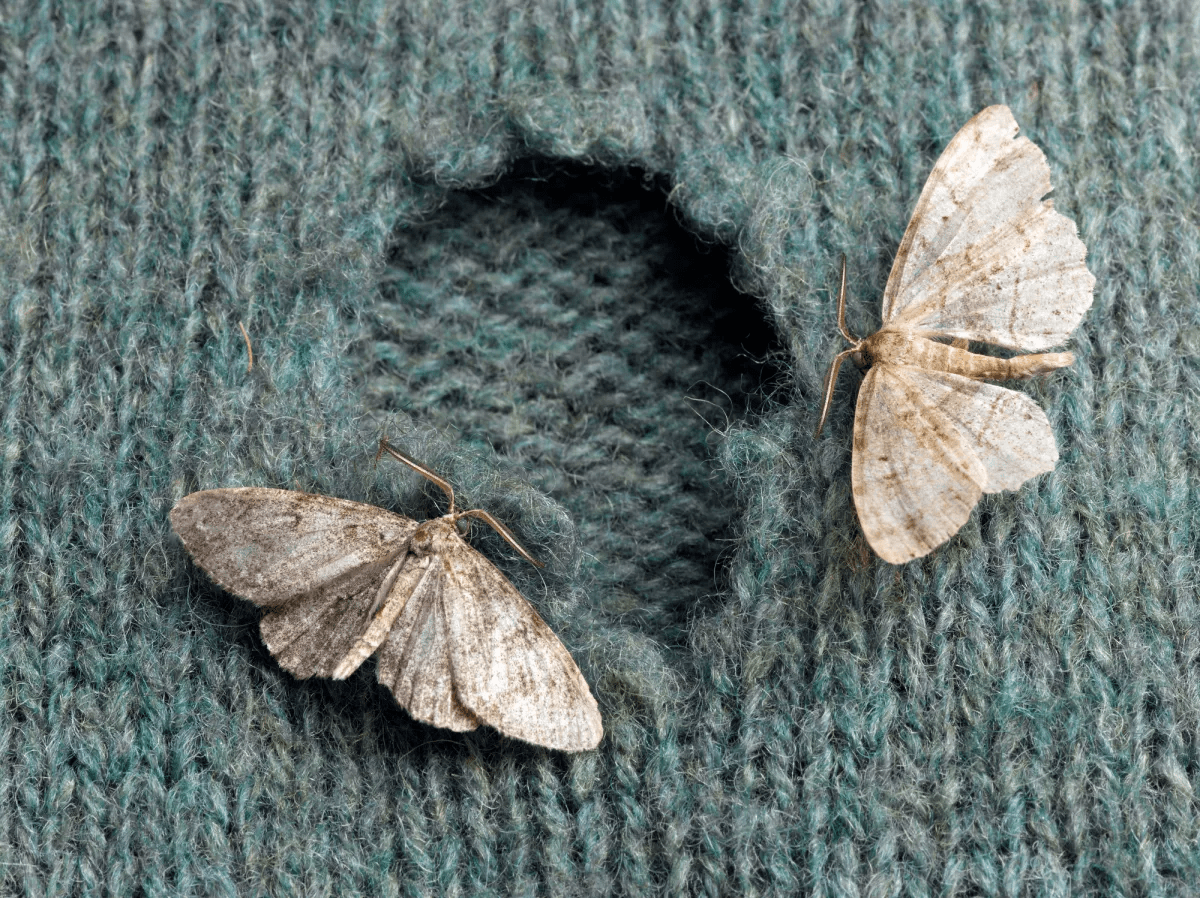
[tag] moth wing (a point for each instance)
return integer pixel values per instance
(414, 660)
(316, 561)
(985, 257)
(915, 478)
(270, 546)
(510, 669)
(1007, 431)
(311, 634)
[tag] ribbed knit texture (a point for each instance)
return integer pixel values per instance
(505, 234)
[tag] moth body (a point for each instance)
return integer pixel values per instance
(898, 347)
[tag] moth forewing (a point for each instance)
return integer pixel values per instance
(260, 542)
(414, 660)
(420, 576)
(501, 649)
(458, 644)
(985, 258)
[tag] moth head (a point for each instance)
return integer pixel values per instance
(431, 536)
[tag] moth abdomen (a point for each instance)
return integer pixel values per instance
(896, 347)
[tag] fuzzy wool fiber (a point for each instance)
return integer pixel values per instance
(579, 258)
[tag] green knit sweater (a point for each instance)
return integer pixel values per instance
(579, 258)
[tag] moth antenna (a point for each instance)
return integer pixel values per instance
(830, 381)
(502, 530)
(385, 446)
(850, 338)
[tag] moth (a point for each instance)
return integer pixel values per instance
(985, 258)
(458, 645)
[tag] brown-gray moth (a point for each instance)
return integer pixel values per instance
(984, 258)
(458, 645)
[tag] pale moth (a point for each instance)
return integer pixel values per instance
(458, 645)
(984, 258)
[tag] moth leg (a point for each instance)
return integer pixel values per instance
(380, 626)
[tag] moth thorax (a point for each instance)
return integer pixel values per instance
(432, 536)
(896, 348)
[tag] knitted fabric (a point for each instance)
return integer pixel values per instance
(509, 235)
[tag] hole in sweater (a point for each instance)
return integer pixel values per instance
(563, 317)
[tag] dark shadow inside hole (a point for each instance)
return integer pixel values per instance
(563, 317)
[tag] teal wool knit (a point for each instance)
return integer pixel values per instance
(578, 258)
